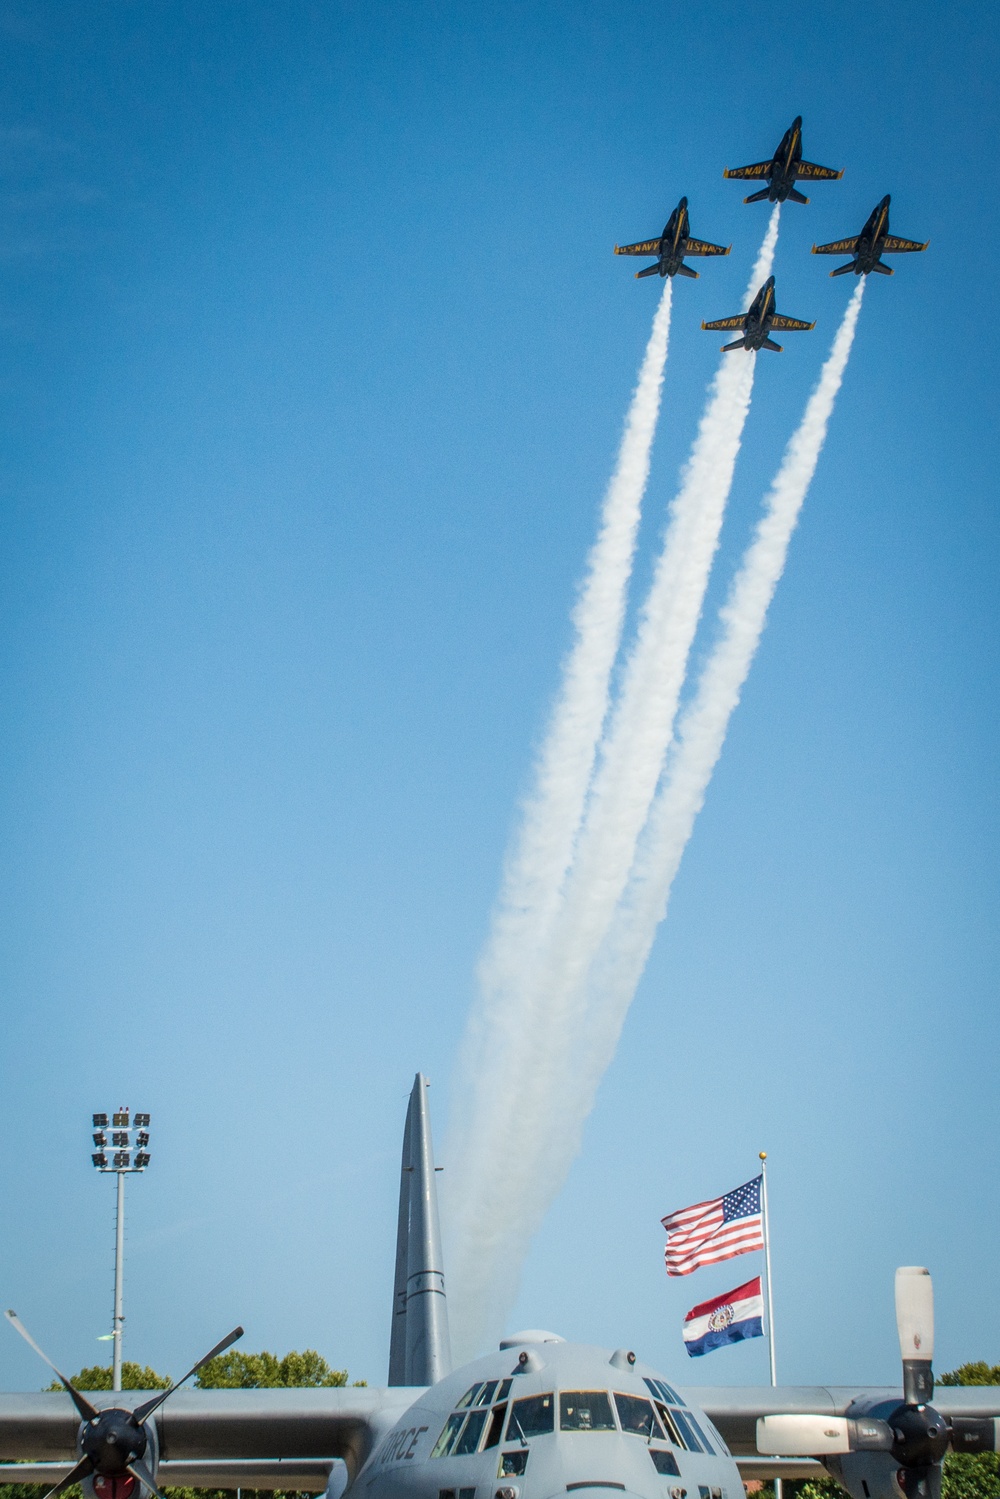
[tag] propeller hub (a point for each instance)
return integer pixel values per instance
(920, 1435)
(113, 1441)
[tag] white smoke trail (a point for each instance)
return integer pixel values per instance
(504, 1179)
(536, 868)
(704, 723)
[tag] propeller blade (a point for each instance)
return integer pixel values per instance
(975, 1434)
(816, 1436)
(915, 1325)
(921, 1483)
(143, 1412)
(83, 1469)
(139, 1470)
(87, 1411)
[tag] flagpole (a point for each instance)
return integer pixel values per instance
(766, 1224)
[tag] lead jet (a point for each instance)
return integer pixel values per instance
(756, 323)
(673, 244)
(536, 1418)
(873, 242)
(784, 169)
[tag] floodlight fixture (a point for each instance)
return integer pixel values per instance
(124, 1160)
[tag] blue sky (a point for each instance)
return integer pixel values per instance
(313, 362)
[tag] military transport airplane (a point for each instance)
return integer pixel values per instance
(784, 169)
(673, 244)
(756, 323)
(540, 1418)
(866, 247)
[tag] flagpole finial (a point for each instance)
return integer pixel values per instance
(762, 1155)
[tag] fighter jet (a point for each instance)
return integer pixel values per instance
(873, 241)
(673, 244)
(536, 1418)
(758, 321)
(784, 169)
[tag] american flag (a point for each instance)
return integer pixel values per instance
(716, 1230)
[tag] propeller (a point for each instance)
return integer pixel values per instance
(916, 1435)
(114, 1441)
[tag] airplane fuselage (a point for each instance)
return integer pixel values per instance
(545, 1419)
(872, 238)
(673, 242)
(759, 317)
(785, 163)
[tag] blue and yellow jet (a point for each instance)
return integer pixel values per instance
(670, 249)
(867, 247)
(784, 169)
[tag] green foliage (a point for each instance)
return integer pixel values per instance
(134, 1377)
(977, 1373)
(971, 1475)
(257, 1371)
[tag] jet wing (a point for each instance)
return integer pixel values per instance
(758, 169)
(723, 324)
(702, 247)
(790, 324)
(818, 174)
(895, 246)
(837, 247)
(644, 247)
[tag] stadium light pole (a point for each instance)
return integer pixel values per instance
(129, 1154)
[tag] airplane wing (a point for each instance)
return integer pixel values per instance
(220, 1426)
(759, 169)
(818, 174)
(309, 1477)
(723, 324)
(790, 324)
(837, 247)
(734, 1410)
(702, 247)
(644, 247)
(895, 246)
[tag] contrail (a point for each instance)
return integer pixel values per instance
(536, 867)
(704, 723)
(506, 1176)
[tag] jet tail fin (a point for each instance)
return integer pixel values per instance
(796, 196)
(420, 1345)
(651, 270)
(842, 270)
(769, 343)
(685, 270)
(738, 344)
(882, 268)
(758, 197)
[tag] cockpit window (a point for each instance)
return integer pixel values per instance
(636, 1416)
(469, 1440)
(531, 1417)
(690, 1431)
(504, 1390)
(446, 1440)
(660, 1390)
(469, 1397)
(585, 1410)
(486, 1393)
(664, 1462)
(496, 1427)
(667, 1420)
